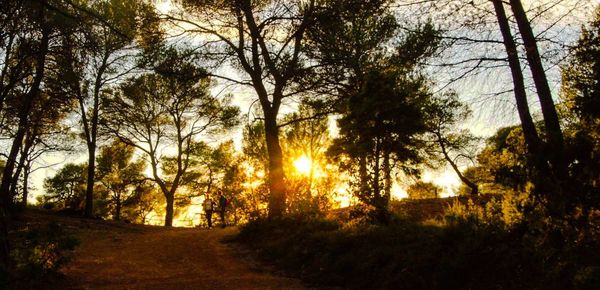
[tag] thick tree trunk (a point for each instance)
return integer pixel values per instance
(551, 122)
(277, 186)
(169, 210)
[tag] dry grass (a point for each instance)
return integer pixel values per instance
(116, 255)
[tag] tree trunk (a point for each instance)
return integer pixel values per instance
(89, 192)
(118, 207)
(555, 136)
(387, 176)
(376, 189)
(169, 210)
(529, 131)
(26, 172)
(474, 188)
(15, 178)
(277, 188)
(91, 135)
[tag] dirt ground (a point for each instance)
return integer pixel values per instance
(124, 256)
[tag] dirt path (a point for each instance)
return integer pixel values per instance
(121, 256)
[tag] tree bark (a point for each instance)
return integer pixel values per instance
(363, 175)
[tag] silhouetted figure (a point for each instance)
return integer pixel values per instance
(222, 207)
(208, 206)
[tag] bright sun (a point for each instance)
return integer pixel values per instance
(303, 164)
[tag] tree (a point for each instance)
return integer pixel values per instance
(556, 154)
(381, 92)
(265, 42)
(551, 21)
(171, 107)
(502, 165)
(580, 93)
(41, 25)
(580, 90)
(120, 175)
(27, 98)
(423, 190)
(255, 164)
(103, 56)
(533, 141)
(374, 137)
(67, 187)
(443, 115)
(311, 178)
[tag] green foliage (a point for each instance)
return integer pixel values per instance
(499, 211)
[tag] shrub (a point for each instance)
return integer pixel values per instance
(472, 248)
(41, 251)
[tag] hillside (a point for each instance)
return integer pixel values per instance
(115, 255)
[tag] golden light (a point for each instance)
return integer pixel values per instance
(303, 164)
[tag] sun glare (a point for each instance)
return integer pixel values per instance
(303, 164)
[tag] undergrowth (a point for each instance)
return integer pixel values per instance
(461, 251)
(38, 252)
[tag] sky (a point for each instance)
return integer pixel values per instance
(490, 112)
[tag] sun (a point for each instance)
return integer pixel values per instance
(303, 164)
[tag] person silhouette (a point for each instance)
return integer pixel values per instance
(208, 206)
(222, 207)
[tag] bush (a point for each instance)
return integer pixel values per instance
(472, 248)
(41, 251)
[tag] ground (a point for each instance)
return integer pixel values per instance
(115, 255)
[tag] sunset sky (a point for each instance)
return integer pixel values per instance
(490, 110)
